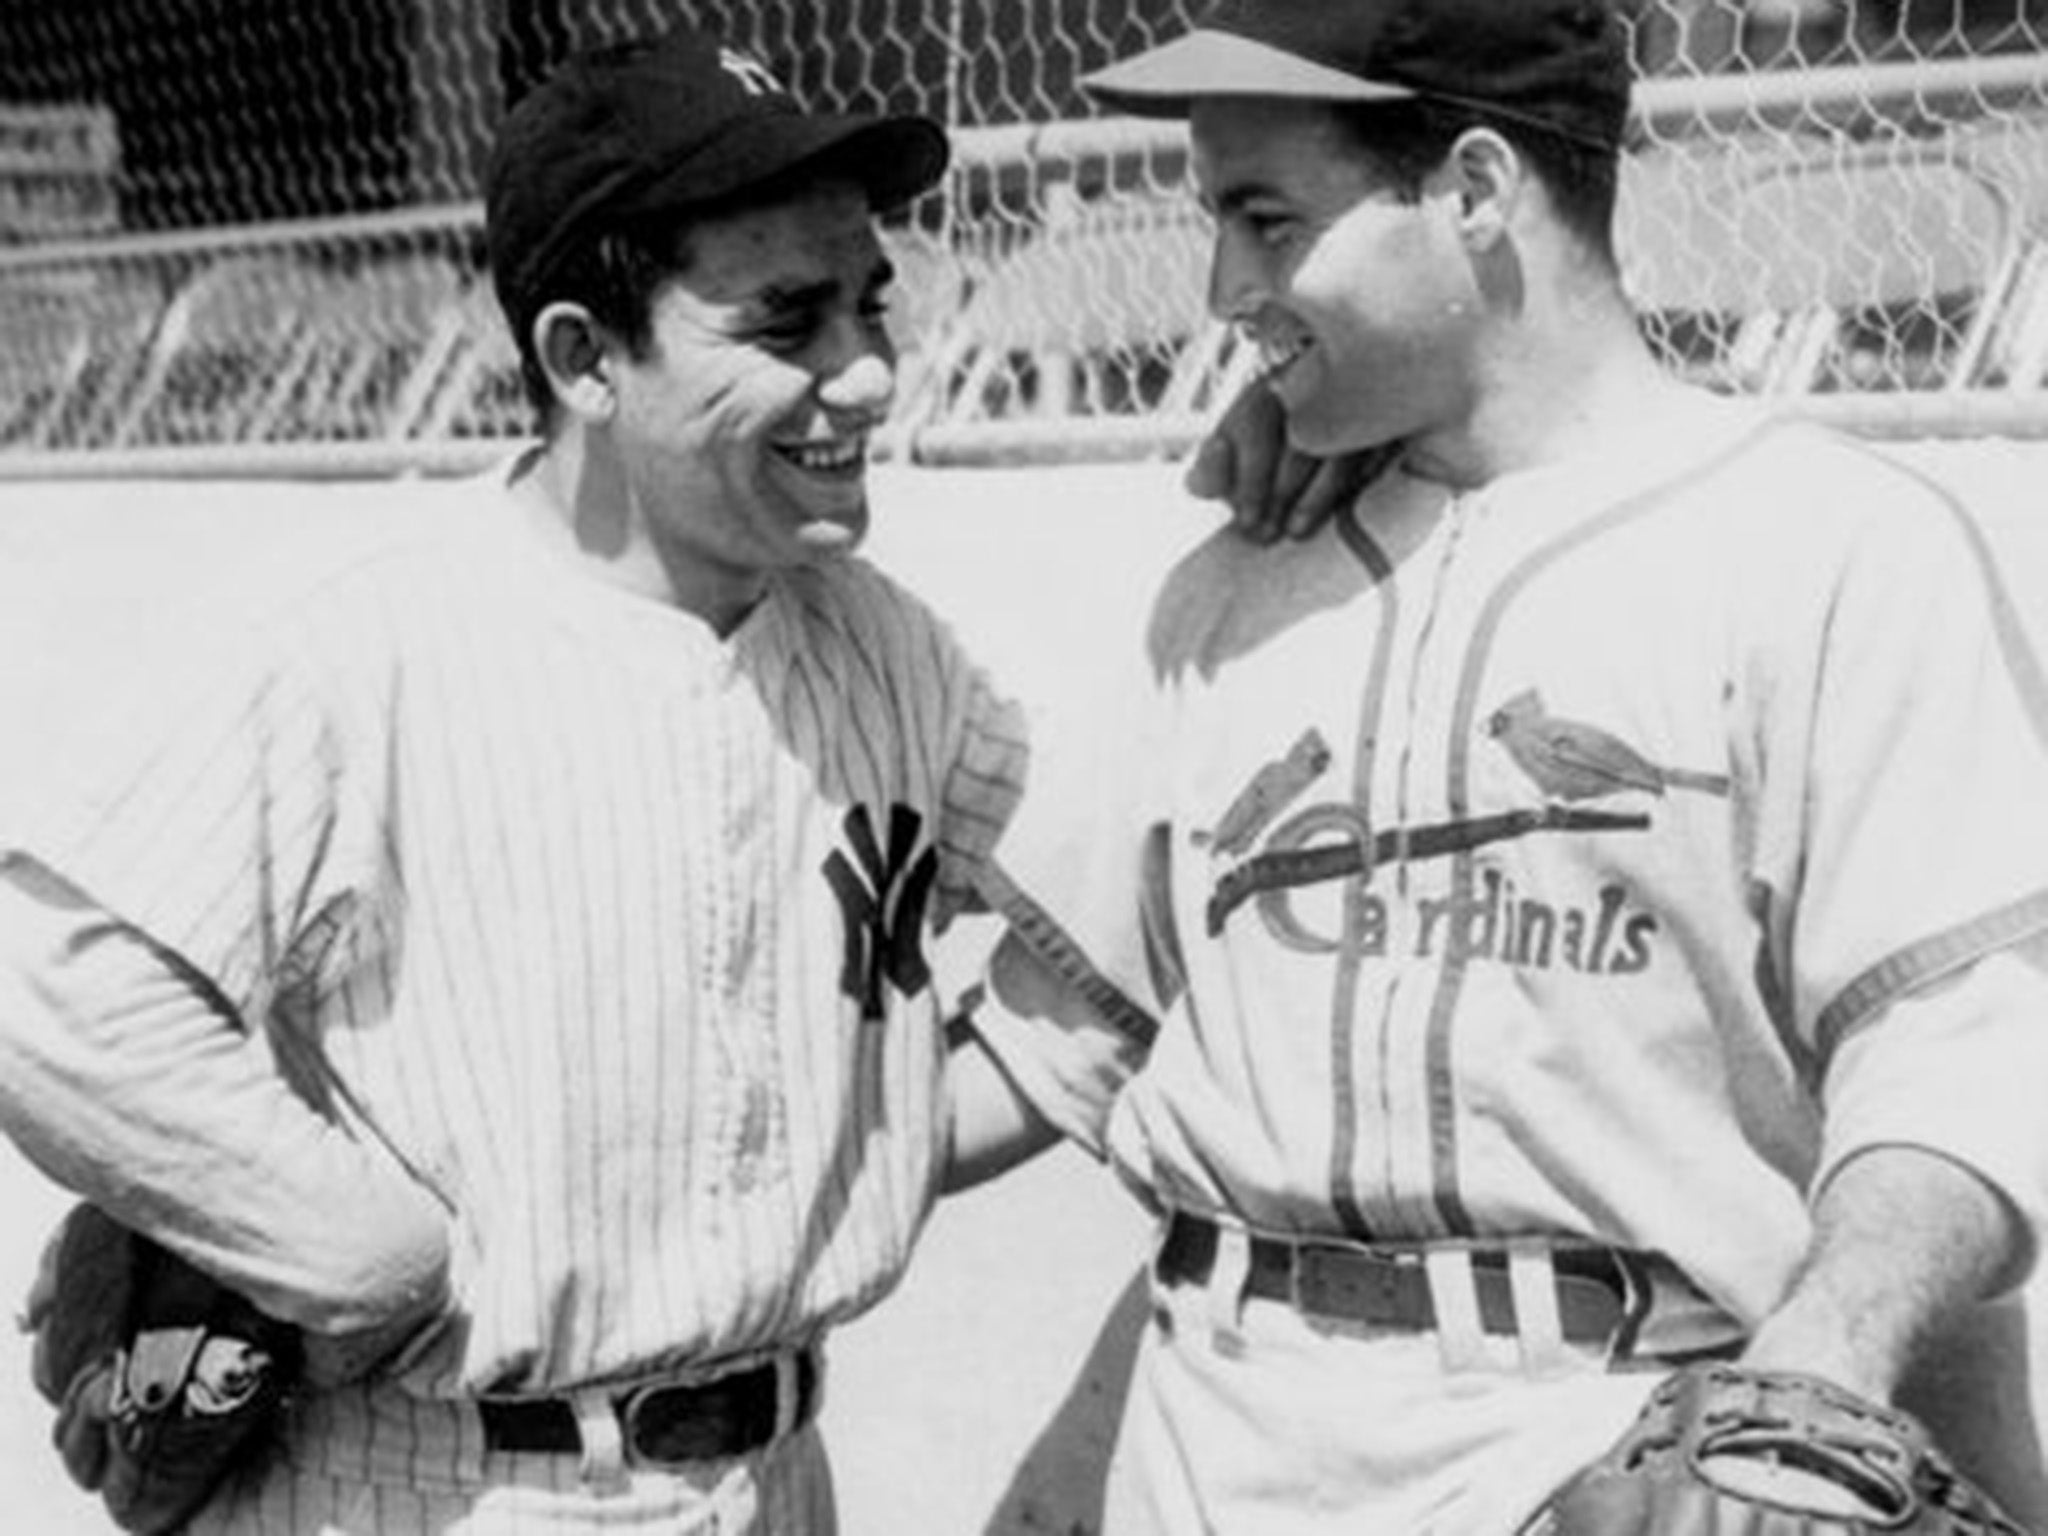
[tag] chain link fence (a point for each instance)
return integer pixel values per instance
(243, 234)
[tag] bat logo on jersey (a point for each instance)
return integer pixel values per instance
(1327, 842)
(1293, 860)
(883, 895)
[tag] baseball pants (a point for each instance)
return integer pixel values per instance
(1246, 1416)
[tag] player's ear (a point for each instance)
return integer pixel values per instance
(1484, 172)
(571, 347)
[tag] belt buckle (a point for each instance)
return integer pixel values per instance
(628, 1407)
(1352, 1286)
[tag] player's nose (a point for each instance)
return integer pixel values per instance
(1235, 284)
(866, 386)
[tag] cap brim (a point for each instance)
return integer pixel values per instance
(895, 159)
(1163, 81)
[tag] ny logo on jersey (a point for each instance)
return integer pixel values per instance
(882, 896)
(754, 77)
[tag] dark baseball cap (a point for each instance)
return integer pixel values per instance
(666, 125)
(1562, 65)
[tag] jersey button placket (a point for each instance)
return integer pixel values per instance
(1420, 765)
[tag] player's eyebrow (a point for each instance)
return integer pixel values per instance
(1233, 198)
(803, 296)
(822, 293)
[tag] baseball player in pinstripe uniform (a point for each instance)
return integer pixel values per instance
(509, 958)
(1581, 913)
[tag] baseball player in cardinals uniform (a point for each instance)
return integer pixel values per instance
(1581, 913)
(508, 959)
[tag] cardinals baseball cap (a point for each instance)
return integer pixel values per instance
(1562, 65)
(678, 122)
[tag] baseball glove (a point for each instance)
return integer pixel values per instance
(164, 1381)
(1720, 1450)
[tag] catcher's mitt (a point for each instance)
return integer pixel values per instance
(1720, 1450)
(164, 1381)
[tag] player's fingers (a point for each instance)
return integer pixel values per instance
(1335, 485)
(1294, 476)
(1325, 492)
(1257, 431)
(1209, 471)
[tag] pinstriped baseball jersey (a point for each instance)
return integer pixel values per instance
(622, 932)
(1525, 861)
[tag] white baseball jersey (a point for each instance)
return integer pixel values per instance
(1538, 861)
(621, 932)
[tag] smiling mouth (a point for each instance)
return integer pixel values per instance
(842, 457)
(1279, 352)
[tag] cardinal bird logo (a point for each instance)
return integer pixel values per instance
(1570, 760)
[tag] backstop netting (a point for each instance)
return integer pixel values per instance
(244, 233)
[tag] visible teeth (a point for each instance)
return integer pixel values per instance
(1276, 353)
(826, 456)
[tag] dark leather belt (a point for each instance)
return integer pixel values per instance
(662, 1425)
(1599, 1300)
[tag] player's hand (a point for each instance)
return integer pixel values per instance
(1273, 490)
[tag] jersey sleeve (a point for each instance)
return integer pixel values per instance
(1074, 990)
(215, 808)
(1904, 828)
(167, 878)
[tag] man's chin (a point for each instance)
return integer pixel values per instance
(828, 516)
(827, 537)
(1331, 440)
